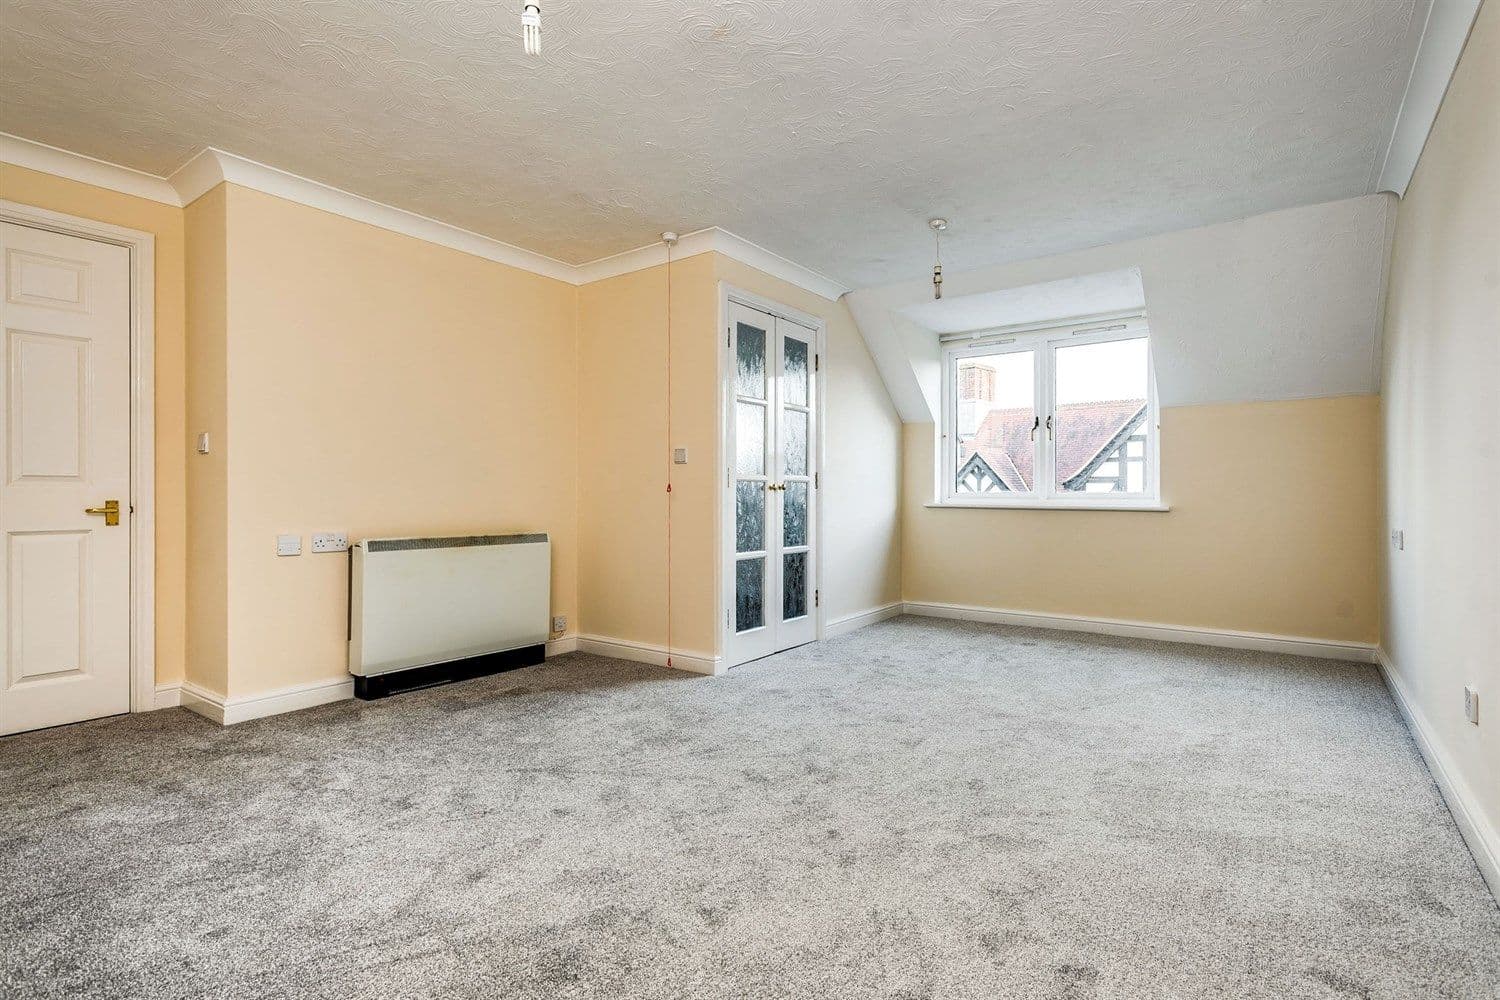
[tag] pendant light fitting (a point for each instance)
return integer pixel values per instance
(938, 226)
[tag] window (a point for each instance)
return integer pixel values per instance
(1052, 418)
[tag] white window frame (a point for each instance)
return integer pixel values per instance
(1044, 343)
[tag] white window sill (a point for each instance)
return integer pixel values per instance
(1155, 506)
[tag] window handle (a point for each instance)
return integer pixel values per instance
(1034, 425)
(1049, 427)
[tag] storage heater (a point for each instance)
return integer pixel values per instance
(425, 611)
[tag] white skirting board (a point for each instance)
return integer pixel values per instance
(228, 711)
(1482, 838)
(858, 620)
(1328, 649)
(215, 707)
(640, 652)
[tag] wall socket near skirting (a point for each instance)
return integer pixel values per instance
(330, 541)
(1471, 704)
(559, 623)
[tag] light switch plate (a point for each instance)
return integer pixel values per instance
(330, 541)
(288, 545)
(1471, 704)
(679, 456)
(203, 443)
(1398, 539)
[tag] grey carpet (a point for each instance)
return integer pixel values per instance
(919, 809)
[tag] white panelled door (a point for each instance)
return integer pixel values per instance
(773, 478)
(65, 423)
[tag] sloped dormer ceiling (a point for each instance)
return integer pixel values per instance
(827, 132)
(1285, 305)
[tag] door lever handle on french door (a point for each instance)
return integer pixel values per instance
(110, 510)
(776, 486)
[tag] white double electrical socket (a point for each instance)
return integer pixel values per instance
(330, 541)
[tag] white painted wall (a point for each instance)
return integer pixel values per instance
(1279, 306)
(1442, 440)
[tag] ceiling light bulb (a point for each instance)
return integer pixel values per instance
(531, 27)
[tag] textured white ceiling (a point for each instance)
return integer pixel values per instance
(826, 131)
(1061, 300)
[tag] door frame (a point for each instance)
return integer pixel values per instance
(142, 248)
(724, 551)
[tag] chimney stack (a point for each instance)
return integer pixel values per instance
(976, 395)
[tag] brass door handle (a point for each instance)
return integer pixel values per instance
(110, 510)
(776, 486)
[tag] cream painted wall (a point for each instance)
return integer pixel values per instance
(207, 476)
(1442, 430)
(379, 385)
(862, 464)
(28, 187)
(331, 365)
(1286, 546)
(624, 450)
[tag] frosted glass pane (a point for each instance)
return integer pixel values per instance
(795, 424)
(794, 519)
(794, 368)
(750, 361)
(749, 594)
(750, 439)
(793, 585)
(749, 517)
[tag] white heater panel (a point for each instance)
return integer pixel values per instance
(418, 601)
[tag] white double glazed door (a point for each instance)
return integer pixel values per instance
(65, 412)
(773, 483)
